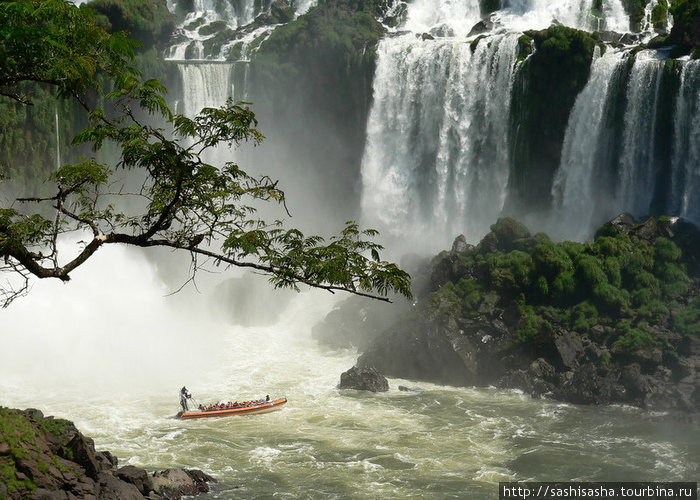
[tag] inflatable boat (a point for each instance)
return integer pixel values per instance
(260, 406)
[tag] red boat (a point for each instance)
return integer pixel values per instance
(260, 406)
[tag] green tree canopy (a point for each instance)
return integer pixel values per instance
(183, 202)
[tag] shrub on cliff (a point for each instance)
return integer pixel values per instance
(686, 27)
(622, 282)
(148, 21)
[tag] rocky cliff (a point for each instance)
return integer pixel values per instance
(612, 321)
(46, 458)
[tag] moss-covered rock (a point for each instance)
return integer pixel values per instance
(613, 320)
(548, 82)
(46, 457)
(686, 27)
(635, 11)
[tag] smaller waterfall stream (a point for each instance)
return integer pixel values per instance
(205, 85)
(575, 183)
(58, 139)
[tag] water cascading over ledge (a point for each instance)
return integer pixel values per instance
(641, 155)
(437, 156)
(229, 29)
(587, 137)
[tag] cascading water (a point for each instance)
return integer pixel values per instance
(581, 14)
(223, 30)
(58, 140)
(205, 85)
(437, 155)
(685, 186)
(637, 162)
(577, 204)
(625, 150)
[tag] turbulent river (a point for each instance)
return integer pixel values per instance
(110, 351)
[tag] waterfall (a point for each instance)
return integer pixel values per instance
(539, 14)
(205, 85)
(212, 29)
(452, 17)
(436, 160)
(685, 183)
(637, 163)
(578, 200)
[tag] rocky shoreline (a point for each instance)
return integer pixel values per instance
(47, 458)
(475, 323)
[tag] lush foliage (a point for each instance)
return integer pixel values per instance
(686, 26)
(620, 283)
(184, 202)
(148, 21)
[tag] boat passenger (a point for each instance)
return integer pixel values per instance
(184, 396)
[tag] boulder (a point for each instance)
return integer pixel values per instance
(136, 476)
(483, 26)
(569, 347)
(176, 483)
(366, 378)
(112, 488)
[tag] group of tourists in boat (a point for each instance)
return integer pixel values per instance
(224, 409)
(233, 404)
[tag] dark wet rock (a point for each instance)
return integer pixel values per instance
(355, 323)
(483, 26)
(365, 378)
(616, 38)
(471, 333)
(176, 483)
(403, 388)
(569, 347)
(136, 476)
(414, 349)
(113, 488)
(442, 31)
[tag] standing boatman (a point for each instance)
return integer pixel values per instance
(184, 396)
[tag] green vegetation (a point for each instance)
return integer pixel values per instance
(635, 10)
(185, 203)
(659, 16)
(687, 321)
(622, 283)
(19, 434)
(148, 21)
(686, 27)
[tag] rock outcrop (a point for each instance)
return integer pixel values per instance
(613, 321)
(366, 378)
(46, 458)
